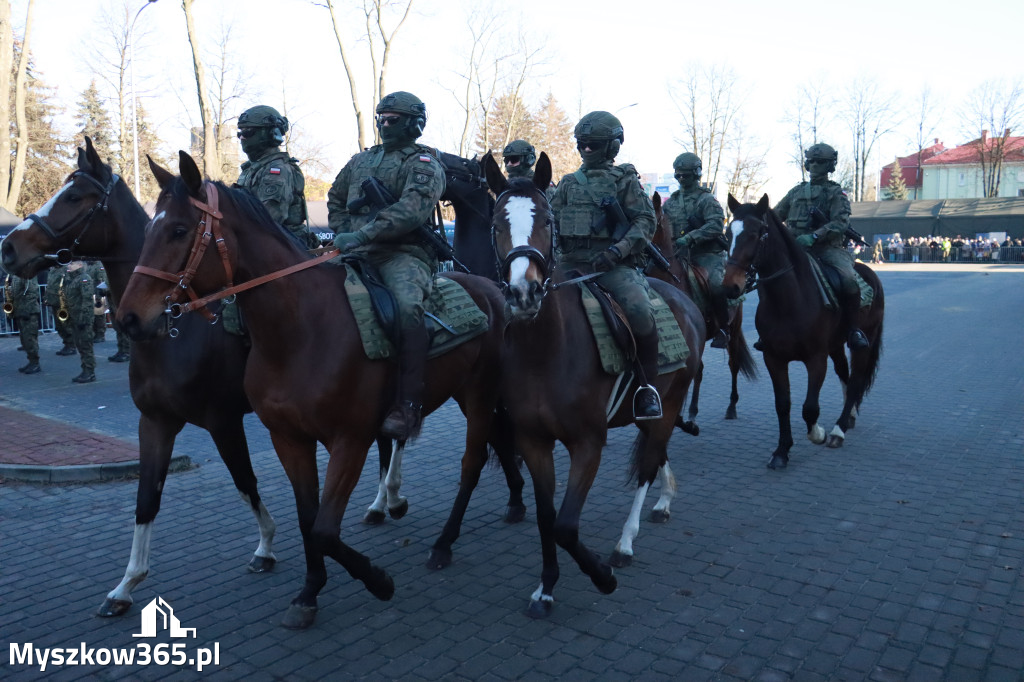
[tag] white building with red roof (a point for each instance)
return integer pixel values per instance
(910, 169)
(960, 172)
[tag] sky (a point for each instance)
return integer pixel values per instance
(623, 57)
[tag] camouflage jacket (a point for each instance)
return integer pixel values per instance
(99, 276)
(702, 209)
(24, 294)
(277, 181)
(78, 292)
(413, 176)
(54, 277)
(583, 230)
(829, 198)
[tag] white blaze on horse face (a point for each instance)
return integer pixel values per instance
(737, 230)
(156, 219)
(519, 212)
(45, 210)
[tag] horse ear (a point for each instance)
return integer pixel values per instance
(656, 200)
(190, 173)
(163, 176)
(95, 163)
(83, 163)
(733, 204)
(496, 180)
(542, 172)
(763, 204)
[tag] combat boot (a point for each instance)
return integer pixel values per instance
(646, 401)
(119, 357)
(31, 368)
(403, 421)
(720, 310)
(67, 350)
(856, 340)
(85, 377)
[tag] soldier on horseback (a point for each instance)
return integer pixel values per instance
(818, 215)
(699, 222)
(519, 157)
(592, 239)
(387, 237)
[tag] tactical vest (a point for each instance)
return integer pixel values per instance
(582, 216)
(388, 167)
(804, 198)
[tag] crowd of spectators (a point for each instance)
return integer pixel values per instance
(958, 249)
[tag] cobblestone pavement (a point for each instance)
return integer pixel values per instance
(898, 557)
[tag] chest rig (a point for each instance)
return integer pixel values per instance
(581, 223)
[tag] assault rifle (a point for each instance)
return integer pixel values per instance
(818, 218)
(614, 214)
(376, 195)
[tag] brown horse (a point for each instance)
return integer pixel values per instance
(555, 388)
(195, 379)
(314, 382)
(795, 324)
(740, 360)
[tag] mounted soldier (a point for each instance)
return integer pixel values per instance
(698, 222)
(818, 215)
(388, 237)
(271, 174)
(519, 157)
(593, 238)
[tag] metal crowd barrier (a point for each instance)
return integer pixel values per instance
(926, 254)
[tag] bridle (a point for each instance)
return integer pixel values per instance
(545, 262)
(754, 278)
(65, 256)
(207, 230)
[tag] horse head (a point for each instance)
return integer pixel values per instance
(523, 234)
(746, 234)
(62, 229)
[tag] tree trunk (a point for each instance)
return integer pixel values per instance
(211, 164)
(360, 134)
(6, 62)
(20, 88)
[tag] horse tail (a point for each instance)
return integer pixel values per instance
(877, 308)
(643, 463)
(873, 357)
(740, 351)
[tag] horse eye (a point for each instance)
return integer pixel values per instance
(73, 197)
(179, 231)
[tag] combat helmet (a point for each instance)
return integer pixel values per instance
(262, 116)
(821, 152)
(600, 126)
(687, 162)
(523, 149)
(402, 102)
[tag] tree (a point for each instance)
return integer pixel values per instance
(897, 186)
(928, 112)
(553, 135)
(15, 176)
(149, 145)
(6, 67)
(708, 106)
(93, 120)
(480, 75)
(231, 88)
(211, 161)
(808, 116)
(995, 105)
(747, 177)
(870, 115)
(508, 119)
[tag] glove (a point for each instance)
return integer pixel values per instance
(346, 241)
(806, 240)
(606, 260)
(683, 246)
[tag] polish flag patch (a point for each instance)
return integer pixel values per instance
(425, 159)
(275, 171)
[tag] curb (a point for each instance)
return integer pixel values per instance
(83, 473)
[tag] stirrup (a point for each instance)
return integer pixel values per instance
(646, 403)
(403, 421)
(857, 340)
(721, 339)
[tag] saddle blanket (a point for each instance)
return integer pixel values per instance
(867, 294)
(672, 348)
(452, 318)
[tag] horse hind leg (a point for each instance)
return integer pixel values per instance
(389, 498)
(690, 425)
(816, 369)
(501, 439)
(119, 600)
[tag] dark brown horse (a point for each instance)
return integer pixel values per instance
(313, 383)
(740, 360)
(466, 190)
(195, 379)
(554, 385)
(796, 326)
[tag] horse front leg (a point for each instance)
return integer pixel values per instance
(817, 367)
(156, 442)
(539, 457)
(734, 369)
(229, 436)
(502, 439)
(778, 370)
(690, 425)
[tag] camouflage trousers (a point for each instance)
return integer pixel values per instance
(410, 280)
(630, 290)
(714, 263)
(63, 328)
(83, 335)
(28, 334)
(842, 261)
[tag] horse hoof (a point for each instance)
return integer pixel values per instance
(834, 442)
(262, 564)
(113, 607)
(380, 584)
(605, 582)
(816, 435)
(620, 560)
(399, 511)
(690, 428)
(439, 558)
(778, 462)
(299, 617)
(660, 516)
(515, 513)
(374, 518)
(539, 608)
(730, 413)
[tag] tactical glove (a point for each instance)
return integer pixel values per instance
(807, 240)
(606, 260)
(346, 241)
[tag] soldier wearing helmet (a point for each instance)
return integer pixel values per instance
(818, 214)
(387, 236)
(591, 241)
(519, 157)
(698, 223)
(272, 175)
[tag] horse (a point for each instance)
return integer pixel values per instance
(314, 383)
(556, 389)
(196, 379)
(466, 191)
(795, 324)
(740, 359)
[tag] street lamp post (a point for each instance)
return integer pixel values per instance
(131, 78)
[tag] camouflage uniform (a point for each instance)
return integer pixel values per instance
(707, 238)
(586, 237)
(519, 157)
(24, 295)
(78, 292)
(54, 285)
(387, 237)
(99, 279)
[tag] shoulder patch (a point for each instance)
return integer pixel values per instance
(424, 158)
(275, 171)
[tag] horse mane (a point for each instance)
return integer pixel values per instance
(793, 251)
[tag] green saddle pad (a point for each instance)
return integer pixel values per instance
(672, 348)
(867, 294)
(452, 317)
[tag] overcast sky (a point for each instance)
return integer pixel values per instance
(600, 54)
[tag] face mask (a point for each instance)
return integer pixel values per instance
(592, 152)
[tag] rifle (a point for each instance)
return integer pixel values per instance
(378, 196)
(818, 219)
(613, 212)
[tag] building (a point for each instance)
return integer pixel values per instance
(910, 169)
(959, 173)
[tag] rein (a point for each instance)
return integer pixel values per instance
(65, 256)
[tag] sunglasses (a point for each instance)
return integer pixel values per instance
(388, 119)
(247, 132)
(591, 144)
(513, 159)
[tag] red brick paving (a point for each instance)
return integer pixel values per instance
(28, 439)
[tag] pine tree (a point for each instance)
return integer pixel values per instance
(93, 120)
(554, 136)
(149, 145)
(508, 119)
(897, 187)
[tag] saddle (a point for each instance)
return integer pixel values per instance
(829, 282)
